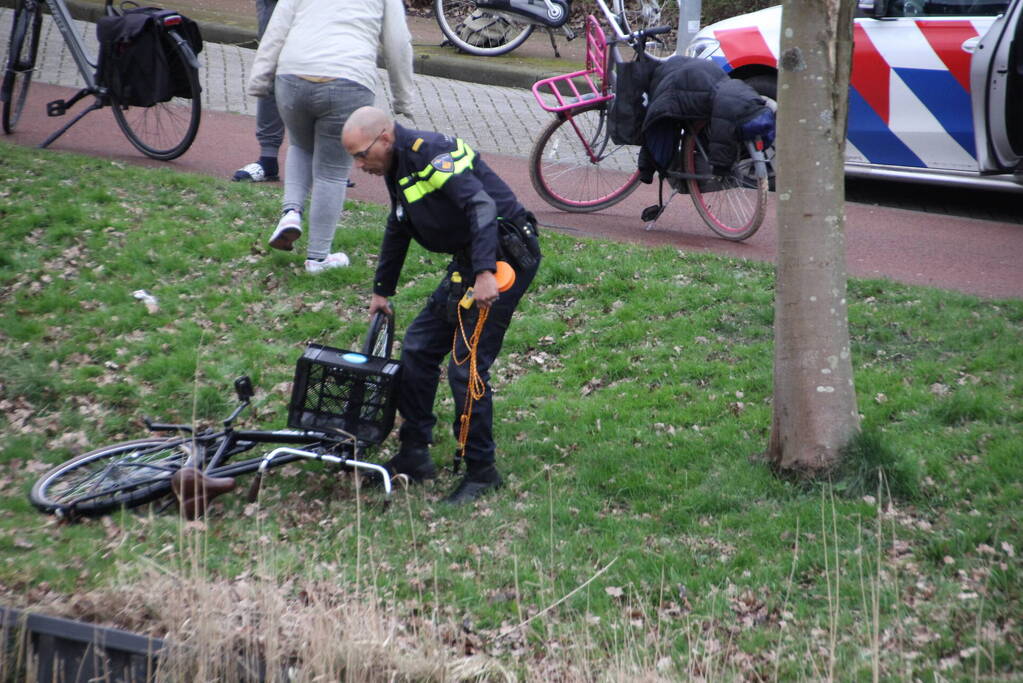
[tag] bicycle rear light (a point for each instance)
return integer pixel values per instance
(336, 389)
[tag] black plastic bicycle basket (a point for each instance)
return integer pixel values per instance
(344, 390)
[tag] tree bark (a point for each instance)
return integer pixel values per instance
(815, 413)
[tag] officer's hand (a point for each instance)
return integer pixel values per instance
(485, 290)
(379, 303)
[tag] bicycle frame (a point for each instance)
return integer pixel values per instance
(612, 20)
(86, 64)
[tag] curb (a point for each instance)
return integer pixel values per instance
(455, 67)
(478, 70)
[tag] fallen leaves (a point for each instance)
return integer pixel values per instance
(76, 442)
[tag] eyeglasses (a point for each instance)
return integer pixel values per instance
(364, 153)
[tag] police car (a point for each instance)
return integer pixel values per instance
(936, 92)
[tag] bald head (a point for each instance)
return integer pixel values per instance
(368, 136)
(364, 124)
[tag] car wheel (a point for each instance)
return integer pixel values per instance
(766, 86)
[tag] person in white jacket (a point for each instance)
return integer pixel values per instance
(319, 59)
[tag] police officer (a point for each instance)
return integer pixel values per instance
(446, 198)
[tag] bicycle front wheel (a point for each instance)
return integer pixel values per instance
(21, 62)
(166, 130)
(732, 205)
(380, 337)
(125, 474)
(644, 14)
(575, 166)
(479, 32)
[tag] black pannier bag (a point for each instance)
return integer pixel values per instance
(628, 109)
(137, 60)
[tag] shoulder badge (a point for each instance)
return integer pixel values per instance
(417, 144)
(443, 163)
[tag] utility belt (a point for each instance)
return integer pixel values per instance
(519, 242)
(445, 299)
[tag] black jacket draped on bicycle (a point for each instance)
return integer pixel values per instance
(688, 89)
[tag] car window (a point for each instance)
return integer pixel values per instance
(947, 8)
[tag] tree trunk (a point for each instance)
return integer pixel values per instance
(815, 414)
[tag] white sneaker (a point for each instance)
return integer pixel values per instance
(336, 260)
(289, 229)
(253, 172)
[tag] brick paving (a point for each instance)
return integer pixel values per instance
(491, 118)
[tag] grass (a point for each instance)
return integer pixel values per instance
(641, 535)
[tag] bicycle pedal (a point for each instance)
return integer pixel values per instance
(56, 108)
(652, 213)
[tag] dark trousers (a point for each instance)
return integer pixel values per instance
(427, 341)
(269, 126)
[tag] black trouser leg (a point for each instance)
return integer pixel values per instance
(426, 342)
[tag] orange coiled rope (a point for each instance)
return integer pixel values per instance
(475, 386)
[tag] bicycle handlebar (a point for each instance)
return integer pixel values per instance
(164, 427)
(161, 427)
(642, 34)
(655, 31)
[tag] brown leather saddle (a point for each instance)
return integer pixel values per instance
(194, 490)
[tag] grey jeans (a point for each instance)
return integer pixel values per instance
(269, 127)
(317, 165)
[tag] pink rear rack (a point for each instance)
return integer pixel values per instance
(592, 84)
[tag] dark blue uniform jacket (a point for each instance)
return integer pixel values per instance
(446, 198)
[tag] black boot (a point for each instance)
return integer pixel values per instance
(474, 484)
(414, 462)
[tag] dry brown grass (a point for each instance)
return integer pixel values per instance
(218, 630)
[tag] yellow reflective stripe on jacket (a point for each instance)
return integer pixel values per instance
(422, 183)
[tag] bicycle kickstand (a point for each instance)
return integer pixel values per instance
(60, 107)
(652, 213)
(554, 44)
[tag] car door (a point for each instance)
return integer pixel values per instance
(909, 99)
(996, 77)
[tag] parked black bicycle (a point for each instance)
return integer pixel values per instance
(342, 403)
(147, 73)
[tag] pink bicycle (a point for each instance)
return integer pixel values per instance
(576, 166)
